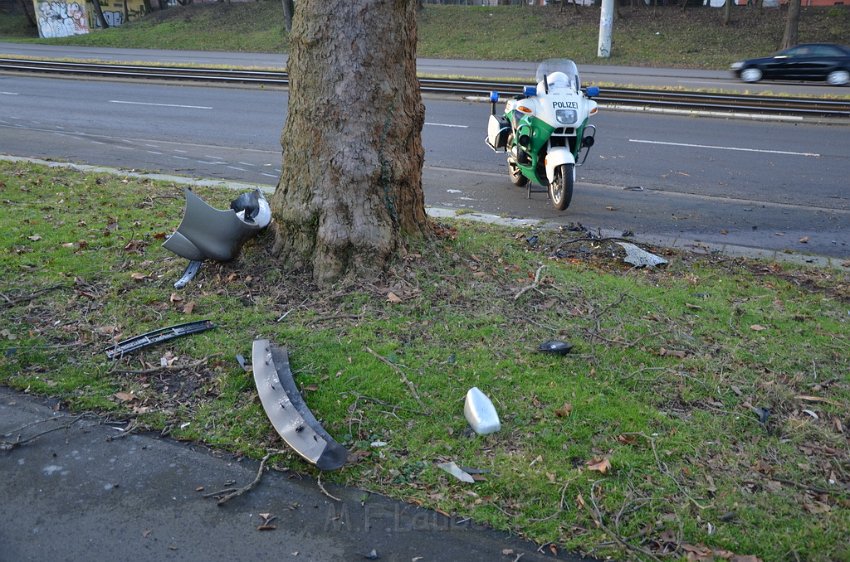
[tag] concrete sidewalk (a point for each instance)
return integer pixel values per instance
(77, 494)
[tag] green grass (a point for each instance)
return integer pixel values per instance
(668, 368)
(650, 37)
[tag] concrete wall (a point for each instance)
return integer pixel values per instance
(62, 18)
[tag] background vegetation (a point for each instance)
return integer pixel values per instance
(663, 36)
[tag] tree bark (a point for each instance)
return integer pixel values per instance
(99, 13)
(29, 11)
(792, 23)
(727, 12)
(288, 9)
(351, 180)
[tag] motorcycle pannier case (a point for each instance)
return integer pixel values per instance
(498, 129)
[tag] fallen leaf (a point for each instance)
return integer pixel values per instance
(564, 411)
(188, 308)
(34, 237)
(816, 508)
(804, 240)
(138, 276)
(663, 352)
(175, 298)
(757, 328)
(580, 501)
(601, 466)
(124, 396)
(610, 208)
(393, 298)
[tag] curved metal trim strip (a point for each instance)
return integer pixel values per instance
(288, 412)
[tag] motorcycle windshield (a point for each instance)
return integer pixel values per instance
(559, 73)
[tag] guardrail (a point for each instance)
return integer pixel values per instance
(693, 101)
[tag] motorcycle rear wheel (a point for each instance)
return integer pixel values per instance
(561, 187)
(515, 173)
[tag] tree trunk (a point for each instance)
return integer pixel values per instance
(727, 12)
(99, 13)
(351, 180)
(792, 23)
(29, 11)
(288, 9)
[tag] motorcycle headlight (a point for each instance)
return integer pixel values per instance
(566, 116)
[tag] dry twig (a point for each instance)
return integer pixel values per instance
(10, 445)
(533, 285)
(230, 493)
(409, 384)
(322, 488)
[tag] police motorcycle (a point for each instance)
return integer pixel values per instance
(545, 131)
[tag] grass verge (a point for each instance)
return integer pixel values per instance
(662, 36)
(702, 412)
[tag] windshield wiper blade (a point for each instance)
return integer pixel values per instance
(158, 336)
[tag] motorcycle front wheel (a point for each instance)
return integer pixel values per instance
(561, 187)
(515, 173)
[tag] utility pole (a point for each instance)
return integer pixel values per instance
(606, 24)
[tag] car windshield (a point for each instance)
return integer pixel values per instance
(559, 73)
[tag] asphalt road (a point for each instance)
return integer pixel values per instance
(767, 185)
(687, 79)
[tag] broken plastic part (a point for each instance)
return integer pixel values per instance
(285, 407)
(555, 346)
(639, 257)
(158, 336)
(188, 274)
(457, 472)
(210, 233)
(480, 412)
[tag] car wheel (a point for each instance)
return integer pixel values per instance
(751, 75)
(838, 78)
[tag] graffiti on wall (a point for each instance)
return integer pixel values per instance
(61, 19)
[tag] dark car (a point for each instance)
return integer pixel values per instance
(810, 61)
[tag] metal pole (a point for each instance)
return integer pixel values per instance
(606, 24)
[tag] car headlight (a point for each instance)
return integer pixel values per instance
(566, 116)
(736, 65)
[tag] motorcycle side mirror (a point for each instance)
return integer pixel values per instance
(592, 91)
(529, 91)
(494, 98)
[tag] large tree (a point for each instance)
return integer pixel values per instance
(792, 23)
(351, 181)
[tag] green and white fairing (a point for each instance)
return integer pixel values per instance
(553, 120)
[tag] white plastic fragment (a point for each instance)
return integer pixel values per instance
(457, 472)
(480, 412)
(639, 257)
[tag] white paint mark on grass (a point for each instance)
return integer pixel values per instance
(161, 104)
(739, 149)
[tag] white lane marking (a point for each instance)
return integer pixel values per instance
(154, 152)
(245, 163)
(181, 151)
(9, 94)
(179, 157)
(686, 145)
(267, 175)
(237, 168)
(160, 104)
(448, 125)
